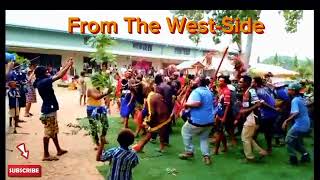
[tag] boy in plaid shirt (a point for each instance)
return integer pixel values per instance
(122, 159)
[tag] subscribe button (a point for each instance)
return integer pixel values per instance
(24, 170)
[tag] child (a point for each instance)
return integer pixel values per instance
(122, 159)
(82, 86)
(74, 83)
(31, 93)
(14, 96)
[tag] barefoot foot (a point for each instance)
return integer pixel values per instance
(62, 152)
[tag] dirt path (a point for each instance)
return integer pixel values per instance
(78, 163)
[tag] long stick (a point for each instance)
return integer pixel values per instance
(224, 54)
(29, 60)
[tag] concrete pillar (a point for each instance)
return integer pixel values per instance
(77, 58)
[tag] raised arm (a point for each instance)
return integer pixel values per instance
(63, 70)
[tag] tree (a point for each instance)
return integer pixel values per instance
(101, 42)
(292, 18)
(295, 62)
(276, 60)
(310, 64)
(303, 67)
(22, 61)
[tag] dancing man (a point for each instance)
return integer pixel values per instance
(50, 107)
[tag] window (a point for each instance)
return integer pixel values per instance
(142, 46)
(184, 51)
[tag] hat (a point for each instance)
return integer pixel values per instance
(295, 86)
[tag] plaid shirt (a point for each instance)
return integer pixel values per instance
(122, 163)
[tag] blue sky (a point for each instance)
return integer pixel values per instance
(274, 40)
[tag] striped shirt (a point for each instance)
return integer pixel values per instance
(122, 163)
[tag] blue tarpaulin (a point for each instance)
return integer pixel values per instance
(10, 57)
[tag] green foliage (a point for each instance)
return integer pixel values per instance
(304, 72)
(95, 127)
(102, 56)
(276, 60)
(217, 15)
(295, 62)
(101, 42)
(21, 60)
(292, 18)
(303, 67)
(101, 80)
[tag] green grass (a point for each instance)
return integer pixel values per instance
(227, 166)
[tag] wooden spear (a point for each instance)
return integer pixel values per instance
(216, 73)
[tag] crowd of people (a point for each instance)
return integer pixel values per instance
(21, 92)
(213, 108)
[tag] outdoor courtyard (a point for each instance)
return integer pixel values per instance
(80, 163)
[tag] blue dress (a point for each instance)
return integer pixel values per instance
(126, 110)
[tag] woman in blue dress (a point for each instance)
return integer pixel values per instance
(127, 99)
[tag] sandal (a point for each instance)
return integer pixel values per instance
(50, 158)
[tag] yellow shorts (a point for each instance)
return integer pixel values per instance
(13, 112)
(51, 127)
